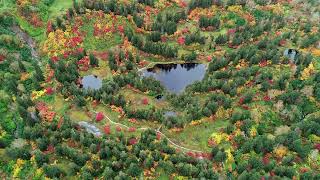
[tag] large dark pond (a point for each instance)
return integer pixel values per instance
(91, 82)
(175, 77)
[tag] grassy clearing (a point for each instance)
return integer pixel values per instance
(136, 100)
(59, 7)
(103, 71)
(196, 137)
(60, 105)
(7, 6)
(161, 175)
(37, 33)
(3, 156)
(115, 116)
(99, 44)
(77, 115)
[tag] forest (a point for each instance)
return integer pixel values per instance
(160, 89)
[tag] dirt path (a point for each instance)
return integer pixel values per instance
(28, 40)
(184, 149)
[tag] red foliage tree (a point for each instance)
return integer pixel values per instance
(231, 32)
(158, 136)
(265, 160)
(245, 107)
(65, 54)
(121, 29)
(2, 57)
(282, 42)
(263, 63)
(266, 98)
(241, 100)
(163, 39)
(107, 129)
(99, 116)
(133, 141)
(49, 91)
(132, 129)
(191, 154)
(118, 128)
(49, 27)
(182, 4)
(54, 58)
(145, 101)
(50, 149)
(181, 40)
(60, 122)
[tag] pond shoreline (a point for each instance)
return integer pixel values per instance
(175, 77)
(153, 64)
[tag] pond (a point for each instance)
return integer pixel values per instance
(90, 128)
(176, 77)
(91, 82)
(290, 53)
(170, 114)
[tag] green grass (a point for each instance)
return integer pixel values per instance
(317, 63)
(59, 7)
(196, 137)
(136, 100)
(7, 5)
(37, 33)
(103, 71)
(101, 44)
(3, 156)
(162, 175)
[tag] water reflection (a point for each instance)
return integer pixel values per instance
(91, 82)
(291, 53)
(175, 77)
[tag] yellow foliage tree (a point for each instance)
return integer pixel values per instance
(236, 9)
(280, 151)
(253, 132)
(307, 72)
(17, 167)
(219, 137)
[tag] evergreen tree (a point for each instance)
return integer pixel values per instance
(22, 68)
(93, 60)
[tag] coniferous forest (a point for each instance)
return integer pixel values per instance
(160, 89)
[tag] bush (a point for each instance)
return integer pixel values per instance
(53, 171)
(284, 171)
(205, 22)
(22, 153)
(191, 57)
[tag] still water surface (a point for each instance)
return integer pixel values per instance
(176, 77)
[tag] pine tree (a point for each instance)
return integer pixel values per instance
(21, 66)
(39, 73)
(93, 60)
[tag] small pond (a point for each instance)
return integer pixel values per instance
(170, 114)
(91, 82)
(290, 53)
(176, 77)
(90, 128)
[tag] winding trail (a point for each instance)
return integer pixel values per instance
(184, 149)
(27, 39)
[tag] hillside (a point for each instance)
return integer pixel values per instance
(160, 89)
